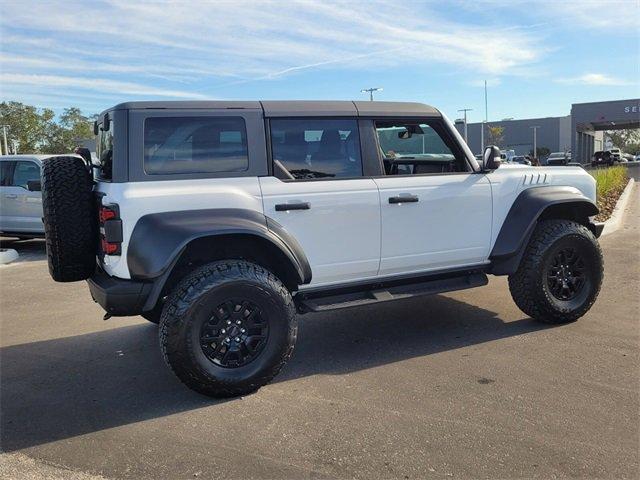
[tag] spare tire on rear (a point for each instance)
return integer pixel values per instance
(70, 218)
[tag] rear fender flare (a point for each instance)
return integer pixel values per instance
(158, 239)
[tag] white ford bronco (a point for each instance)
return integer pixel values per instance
(222, 220)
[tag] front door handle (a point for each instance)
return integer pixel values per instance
(11, 195)
(283, 207)
(404, 199)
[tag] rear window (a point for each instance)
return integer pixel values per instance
(104, 146)
(174, 145)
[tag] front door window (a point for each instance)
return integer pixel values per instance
(414, 148)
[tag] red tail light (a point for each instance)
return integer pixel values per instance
(109, 248)
(110, 229)
(107, 213)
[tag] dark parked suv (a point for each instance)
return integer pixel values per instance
(602, 158)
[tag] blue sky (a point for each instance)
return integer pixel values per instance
(537, 56)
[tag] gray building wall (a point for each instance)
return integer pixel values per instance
(580, 132)
(589, 119)
(554, 133)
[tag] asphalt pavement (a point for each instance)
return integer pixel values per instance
(460, 385)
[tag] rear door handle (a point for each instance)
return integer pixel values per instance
(283, 207)
(11, 195)
(404, 199)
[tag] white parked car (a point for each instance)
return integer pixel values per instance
(20, 197)
(616, 154)
(222, 220)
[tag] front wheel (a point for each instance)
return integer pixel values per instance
(228, 328)
(560, 274)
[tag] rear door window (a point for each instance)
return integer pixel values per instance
(317, 148)
(6, 173)
(178, 145)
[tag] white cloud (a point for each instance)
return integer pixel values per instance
(101, 85)
(193, 49)
(594, 79)
(618, 17)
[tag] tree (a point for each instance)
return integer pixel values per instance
(36, 130)
(71, 129)
(541, 152)
(626, 140)
(495, 136)
(26, 124)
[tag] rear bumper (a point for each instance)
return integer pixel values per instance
(118, 297)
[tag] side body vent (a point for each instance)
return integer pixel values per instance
(535, 179)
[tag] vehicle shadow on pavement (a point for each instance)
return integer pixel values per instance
(62, 388)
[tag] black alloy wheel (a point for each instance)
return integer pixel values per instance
(235, 334)
(566, 274)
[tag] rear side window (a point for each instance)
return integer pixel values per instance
(317, 148)
(175, 145)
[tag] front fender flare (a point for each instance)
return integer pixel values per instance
(523, 216)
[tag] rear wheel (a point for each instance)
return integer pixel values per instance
(228, 328)
(560, 274)
(70, 219)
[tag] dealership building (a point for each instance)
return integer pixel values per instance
(581, 132)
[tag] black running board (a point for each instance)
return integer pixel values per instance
(320, 303)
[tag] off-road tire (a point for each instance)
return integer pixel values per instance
(191, 304)
(70, 219)
(529, 286)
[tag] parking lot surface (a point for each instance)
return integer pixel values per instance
(460, 385)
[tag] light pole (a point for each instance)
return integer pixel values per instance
(486, 116)
(370, 91)
(535, 140)
(4, 129)
(465, 110)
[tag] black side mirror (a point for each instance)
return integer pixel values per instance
(95, 128)
(491, 158)
(34, 185)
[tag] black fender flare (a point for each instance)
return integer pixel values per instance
(523, 216)
(158, 239)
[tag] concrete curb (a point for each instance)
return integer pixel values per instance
(615, 220)
(8, 255)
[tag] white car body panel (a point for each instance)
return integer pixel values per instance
(340, 233)
(450, 225)
(351, 232)
(143, 198)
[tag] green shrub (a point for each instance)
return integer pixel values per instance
(609, 179)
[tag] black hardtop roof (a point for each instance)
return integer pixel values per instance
(294, 108)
